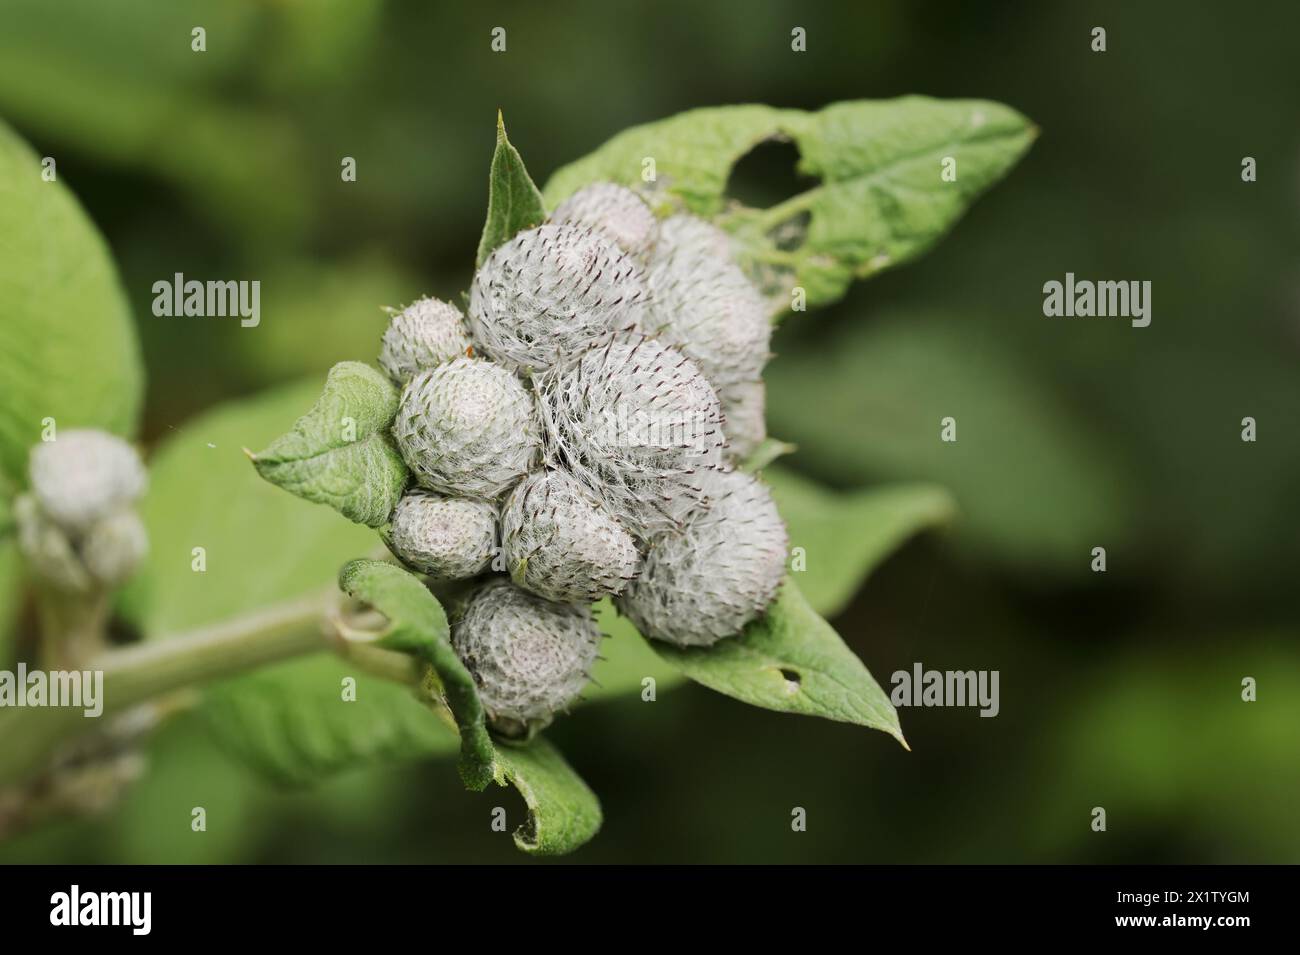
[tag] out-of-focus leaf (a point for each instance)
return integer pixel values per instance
(1163, 740)
(867, 404)
(417, 625)
(10, 588)
(342, 303)
(844, 536)
(790, 660)
(148, 101)
(340, 452)
(882, 198)
(563, 813)
(67, 346)
(514, 204)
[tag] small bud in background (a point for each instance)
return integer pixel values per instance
(114, 547)
(83, 476)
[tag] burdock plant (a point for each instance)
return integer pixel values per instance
(565, 468)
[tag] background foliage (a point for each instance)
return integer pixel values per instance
(1119, 690)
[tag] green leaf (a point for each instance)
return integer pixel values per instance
(790, 660)
(844, 536)
(67, 344)
(291, 723)
(514, 204)
(881, 199)
(563, 813)
(418, 625)
(340, 453)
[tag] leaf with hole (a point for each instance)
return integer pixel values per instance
(883, 198)
(790, 660)
(417, 625)
(514, 204)
(340, 452)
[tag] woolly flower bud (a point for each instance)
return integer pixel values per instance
(615, 210)
(633, 420)
(743, 407)
(83, 476)
(467, 428)
(721, 571)
(114, 547)
(47, 549)
(551, 291)
(704, 304)
(561, 543)
(448, 538)
(530, 657)
(423, 335)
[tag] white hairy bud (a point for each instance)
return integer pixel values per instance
(48, 551)
(635, 422)
(83, 476)
(744, 408)
(423, 335)
(530, 657)
(615, 210)
(467, 428)
(114, 547)
(551, 291)
(717, 574)
(562, 543)
(703, 304)
(446, 537)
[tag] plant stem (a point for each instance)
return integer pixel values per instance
(144, 671)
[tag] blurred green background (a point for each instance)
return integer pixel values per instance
(1119, 690)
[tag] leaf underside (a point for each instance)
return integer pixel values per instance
(563, 813)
